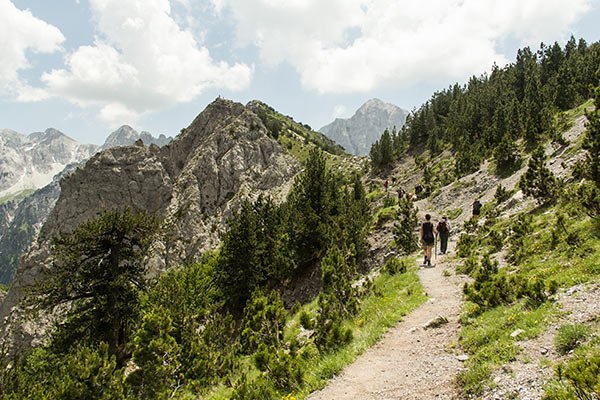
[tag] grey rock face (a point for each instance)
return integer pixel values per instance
(22, 218)
(194, 182)
(23, 222)
(359, 132)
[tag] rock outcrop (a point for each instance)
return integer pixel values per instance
(358, 133)
(225, 155)
(22, 217)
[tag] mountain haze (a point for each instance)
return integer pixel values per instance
(357, 133)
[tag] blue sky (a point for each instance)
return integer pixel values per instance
(87, 67)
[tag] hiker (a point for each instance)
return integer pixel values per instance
(418, 190)
(443, 229)
(385, 185)
(476, 209)
(400, 193)
(428, 233)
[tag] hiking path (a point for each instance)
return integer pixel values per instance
(414, 360)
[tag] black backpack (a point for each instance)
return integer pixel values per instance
(442, 227)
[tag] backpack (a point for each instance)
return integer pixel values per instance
(442, 227)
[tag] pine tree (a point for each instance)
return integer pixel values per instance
(404, 228)
(310, 207)
(98, 270)
(538, 181)
(156, 355)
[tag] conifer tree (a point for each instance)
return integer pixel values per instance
(404, 228)
(310, 206)
(538, 181)
(98, 270)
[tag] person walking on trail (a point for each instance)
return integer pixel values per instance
(385, 185)
(476, 209)
(443, 228)
(428, 233)
(400, 192)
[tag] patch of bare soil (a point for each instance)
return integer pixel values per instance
(417, 359)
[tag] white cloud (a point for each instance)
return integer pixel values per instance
(20, 33)
(360, 45)
(142, 60)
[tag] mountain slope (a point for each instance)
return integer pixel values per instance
(225, 155)
(360, 131)
(22, 217)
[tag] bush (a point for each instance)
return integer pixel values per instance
(569, 337)
(502, 194)
(404, 229)
(466, 246)
(577, 379)
(395, 266)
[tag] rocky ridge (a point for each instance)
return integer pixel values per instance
(358, 133)
(22, 217)
(126, 135)
(225, 155)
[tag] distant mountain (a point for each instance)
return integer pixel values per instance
(126, 135)
(28, 162)
(358, 133)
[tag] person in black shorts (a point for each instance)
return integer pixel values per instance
(428, 233)
(476, 209)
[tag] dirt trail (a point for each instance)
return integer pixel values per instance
(410, 361)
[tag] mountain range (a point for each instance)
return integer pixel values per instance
(32, 167)
(357, 133)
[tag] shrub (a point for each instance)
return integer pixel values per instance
(395, 266)
(502, 194)
(577, 379)
(466, 245)
(570, 336)
(404, 229)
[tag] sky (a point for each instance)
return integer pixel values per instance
(86, 67)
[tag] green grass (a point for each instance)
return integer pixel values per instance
(453, 213)
(547, 256)
(487, 340)
(391, 297)
(570, 336)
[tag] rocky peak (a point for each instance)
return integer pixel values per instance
(358, 133)
(223, 156)
(126, 136)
